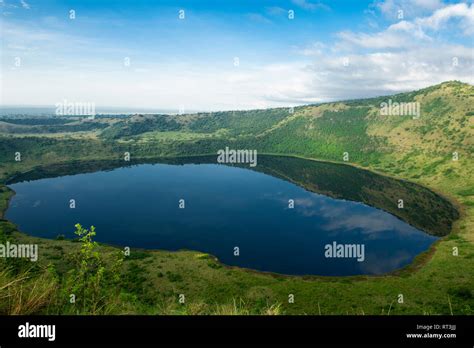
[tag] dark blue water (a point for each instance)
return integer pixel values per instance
(225, 207)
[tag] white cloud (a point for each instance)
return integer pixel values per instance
(410, 8)
(275, 11)
(315, 49)
(441, 16)
(25, 5)
(380, 73)
(405, 56)
(369, 222)
(257, 17)
(435, 12)
(168, 87)
(310, 6)
(404, 32)
(399, 36)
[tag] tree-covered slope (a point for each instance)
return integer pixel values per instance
(326, 131)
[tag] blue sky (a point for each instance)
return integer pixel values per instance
(330, 50)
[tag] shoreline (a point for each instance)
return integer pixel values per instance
(417, 263)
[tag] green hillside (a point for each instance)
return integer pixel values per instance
(327, 130)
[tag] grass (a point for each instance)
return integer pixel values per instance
(172, 136)
(5, 195)
(25, 292)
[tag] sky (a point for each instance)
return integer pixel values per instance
(228, 55)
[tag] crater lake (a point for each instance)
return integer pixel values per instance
(277, 217)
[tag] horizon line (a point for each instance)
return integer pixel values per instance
(172, 111)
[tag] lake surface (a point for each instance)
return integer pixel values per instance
(228, 207)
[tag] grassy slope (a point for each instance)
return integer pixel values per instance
(418, 150)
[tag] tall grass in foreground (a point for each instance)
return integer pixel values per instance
(93, 286)
(240, 308)
(25, 292)
(237, 307)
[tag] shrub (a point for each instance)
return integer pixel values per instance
(92, 283)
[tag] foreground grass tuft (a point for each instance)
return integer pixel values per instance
(26, 293)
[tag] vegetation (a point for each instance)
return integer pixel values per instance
(150, 282)
(238, 123)
(34, 121)
(139, 125)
